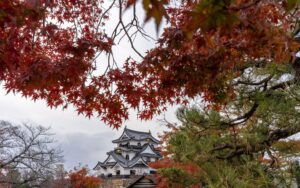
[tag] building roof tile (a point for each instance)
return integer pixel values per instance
(135, 135)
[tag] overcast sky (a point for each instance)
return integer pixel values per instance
(83, 140)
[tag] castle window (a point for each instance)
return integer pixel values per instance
(139, 144)
(127, 157)
(118, 172)
(132, 172)
(152, 172)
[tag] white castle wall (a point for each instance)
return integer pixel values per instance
(126, 171)
(130, 153)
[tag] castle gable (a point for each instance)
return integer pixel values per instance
(148, 150)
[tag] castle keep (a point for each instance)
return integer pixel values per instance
(133, 151)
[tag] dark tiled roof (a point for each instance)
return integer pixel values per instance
(129, 163)
(149, 155)
(139, 165)
(136, 135)
(97, 165)
(105, 165)
(147, 150)
(128, 147)
(109, 164)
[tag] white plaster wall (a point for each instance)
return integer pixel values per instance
(116, 168)
(101, 171)
(117, 144)
(152, 159)
(106, 171)
(148, 150)
(142, 171)
(133, 142)
(109, 170)
(130, 153)
(111, 159)
(124, 171)
(127, 171)
(138, 171)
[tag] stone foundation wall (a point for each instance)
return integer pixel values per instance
(118, 182)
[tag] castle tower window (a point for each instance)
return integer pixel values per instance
(127, 157)
(139, 144)
(132, 172)
(118, 172)
(152, 172)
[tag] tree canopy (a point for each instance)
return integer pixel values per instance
(246, 144)
(48, 50)
(81, 179)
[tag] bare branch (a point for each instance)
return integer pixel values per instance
(29, 152)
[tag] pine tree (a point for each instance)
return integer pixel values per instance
(246, 142)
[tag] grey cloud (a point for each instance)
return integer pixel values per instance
(85, 148)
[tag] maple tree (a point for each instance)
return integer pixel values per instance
(48, 50)
(81, 179)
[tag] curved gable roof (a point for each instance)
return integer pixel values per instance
(135, 160)
(122, 161)
(148, 150)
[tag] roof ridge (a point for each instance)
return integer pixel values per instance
(136, 131)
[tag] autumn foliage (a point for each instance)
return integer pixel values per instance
(48, 51)
(238, 56)
(81, 179)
